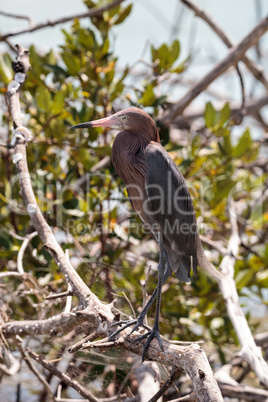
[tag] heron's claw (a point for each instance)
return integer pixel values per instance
(151, 334)
(126, 324)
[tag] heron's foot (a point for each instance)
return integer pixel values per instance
(137, 322)
(151, 334)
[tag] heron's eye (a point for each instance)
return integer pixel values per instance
(124, 118)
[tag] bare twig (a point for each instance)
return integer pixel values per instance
(24, 245)
(130, 305)
(88, 338)
(215, 245)
(256, 70)
(19, 17)
(187, 398)
(223, 375)
(231, 59)
(261, 339)
(144, 293)
(51, 23)
(242, 111)
(64, 377)
(173, 376)
(244, 392)
(60, 295)
(12, 365)
(40, 377)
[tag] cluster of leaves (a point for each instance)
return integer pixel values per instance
(80, 83)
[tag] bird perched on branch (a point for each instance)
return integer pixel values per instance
(160, 197)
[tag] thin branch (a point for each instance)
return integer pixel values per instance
(242, 111)
(19, 17)
(222, 250)
(24, 245)
(12, 365)
(41, 378)
(78, 345)
(252, 106)
(244, 392)
(64, 377)
(187, 398)
(233, 56)
(51, 23)
(130, 305)
(256, 70)
(60, 295)
(144, 293)
(262, 338)
(173, 376)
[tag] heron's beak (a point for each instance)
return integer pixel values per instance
(110, 121)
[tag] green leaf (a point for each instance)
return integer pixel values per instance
(86, 38)
(179, 69)
(123, 14)
(163, 55)
(58, 102)
(56, 69)
(244, 277)
(243, 144)
(148, 97)
(43, 99)
(72, 63)
(5, 241)
(210, 115)
(6, 72)
(224, 115)
(222, 188)
(175, 50)
(35, 62)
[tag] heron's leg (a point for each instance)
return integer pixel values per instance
(139, 320)
(154, 332)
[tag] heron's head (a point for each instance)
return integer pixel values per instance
(130, 119)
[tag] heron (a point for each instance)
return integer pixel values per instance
(160, 197)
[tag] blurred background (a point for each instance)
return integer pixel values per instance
(86, 69)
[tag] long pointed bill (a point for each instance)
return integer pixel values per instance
(110, 121)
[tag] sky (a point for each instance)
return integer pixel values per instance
(156, 21)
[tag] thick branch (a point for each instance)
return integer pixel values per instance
(249, 351)
(256, 70)
(40, 224)
(57, 324)
(51, 23)
(234, 55)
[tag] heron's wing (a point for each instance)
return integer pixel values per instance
(169, 205)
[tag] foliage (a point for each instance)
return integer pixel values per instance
(81, 83)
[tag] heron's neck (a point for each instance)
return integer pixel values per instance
(150, 132)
